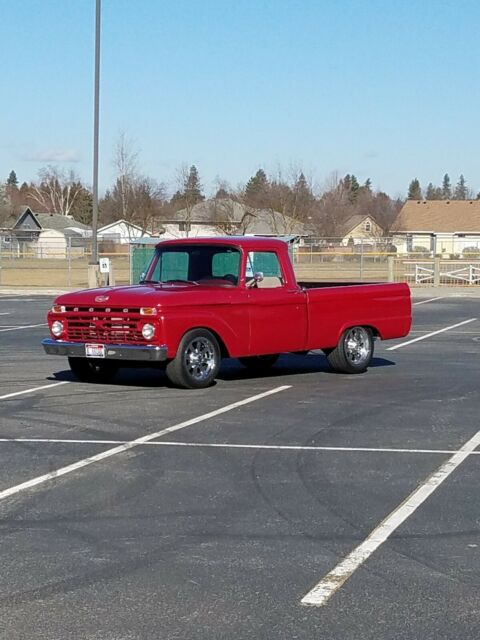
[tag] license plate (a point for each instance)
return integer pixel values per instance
(95, 350)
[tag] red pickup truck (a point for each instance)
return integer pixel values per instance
(204, 299)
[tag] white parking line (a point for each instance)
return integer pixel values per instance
(33, 389)
(323, 591)
(5, 313)
(228, 445)
(429, 300)
(25, 326)
(429, 335)
(135, 443)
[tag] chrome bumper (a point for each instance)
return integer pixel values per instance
(114, 351)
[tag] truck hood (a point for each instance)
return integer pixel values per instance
(147, 295)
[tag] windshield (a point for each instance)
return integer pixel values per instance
(196, 264)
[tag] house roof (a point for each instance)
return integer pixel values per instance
(438, 216)
(349, 225)
(226, 210)
(126, 222)
(55, 221)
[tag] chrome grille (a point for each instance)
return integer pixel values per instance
(112, 328)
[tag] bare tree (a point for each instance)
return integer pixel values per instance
(133, 197)
(125, 164)
(56, 192)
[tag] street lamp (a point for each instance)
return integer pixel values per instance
(93, 266)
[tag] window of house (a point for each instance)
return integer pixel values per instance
(368, 225)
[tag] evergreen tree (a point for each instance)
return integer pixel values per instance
(256, 186)
(12, 180)
(446, 187)
(433, 193)
(192, 187)
(347, 182)
(461, 190)
(351, 185)
(354, 186)
(414, 190)
(367, 185)
(82, 209)
(301, 189)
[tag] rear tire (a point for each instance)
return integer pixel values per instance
(197, 362)
(260, 364)
(93, 370)
(354, 351)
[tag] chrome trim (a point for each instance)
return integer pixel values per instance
(150, 353)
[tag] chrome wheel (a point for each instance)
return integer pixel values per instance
(358, 346)
(200, 358)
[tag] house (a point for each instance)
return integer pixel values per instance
(47, 235)
(359, 227)
(225, 216)
(438, 227)
(122, 232)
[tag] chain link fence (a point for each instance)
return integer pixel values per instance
(64, 263)
(57, 264)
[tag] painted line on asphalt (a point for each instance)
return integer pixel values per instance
(25, 326)
(33, 389)
(429, 335)
(135, 443)
(429, 300)
(225, 445)
(5, 313)
(324, 590)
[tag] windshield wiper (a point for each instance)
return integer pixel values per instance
(173, 280)
(149, 282)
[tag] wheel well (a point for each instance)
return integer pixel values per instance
(374, 330)
(223, 349)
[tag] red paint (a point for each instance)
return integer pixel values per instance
(248, 321)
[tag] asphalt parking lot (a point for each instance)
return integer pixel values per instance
(244, 497)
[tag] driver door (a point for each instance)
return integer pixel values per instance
(277, 314)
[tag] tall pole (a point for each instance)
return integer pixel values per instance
(95, 134)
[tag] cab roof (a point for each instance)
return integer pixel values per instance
(248, 242)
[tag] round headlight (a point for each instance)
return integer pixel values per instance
(57, 328)
(148, 331)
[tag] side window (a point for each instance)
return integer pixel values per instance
(265, 262)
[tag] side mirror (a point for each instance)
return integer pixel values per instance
(142, 277)
(258, 276)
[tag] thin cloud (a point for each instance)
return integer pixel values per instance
(52, 155)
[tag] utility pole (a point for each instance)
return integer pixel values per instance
(93, 268)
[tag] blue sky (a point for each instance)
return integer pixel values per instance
(383, 89)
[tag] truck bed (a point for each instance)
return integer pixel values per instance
(335, 306)
(311, 284)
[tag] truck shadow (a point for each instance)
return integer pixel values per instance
(288, 365)
(231, 370)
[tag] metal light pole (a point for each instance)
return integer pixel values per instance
(93, 267)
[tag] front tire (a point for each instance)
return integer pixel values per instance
(93, 370)
(197, 362)
(354, 351)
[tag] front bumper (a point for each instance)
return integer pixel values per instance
(144, 353)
